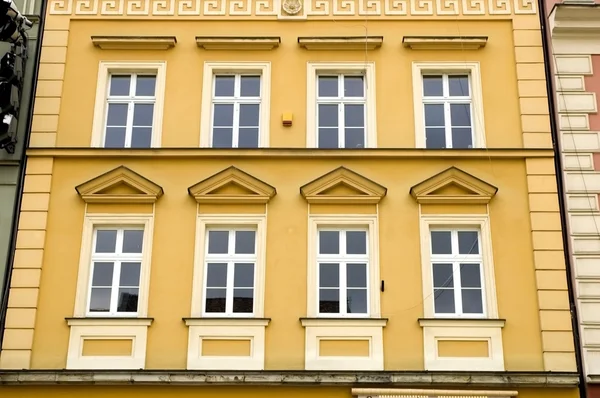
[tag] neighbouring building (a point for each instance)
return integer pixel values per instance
(264, 198)
(13, 136)
(574, 46)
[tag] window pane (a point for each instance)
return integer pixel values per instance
(356, 275)
(355, 138)
(433, 86)
(356, 301)
(354, 86)
(224, 86)
(243, 276)
(328, 86)
(244, 242)
(130, 274)
(329, 301)
(434, 115)
(119, 84)
(328, 138)
(248, 138)
(461, 138)
(223, 115)
(216, 275)
(459, 86)
(329, 242)
(444, 301)
(435, 138)
(460, 114)
(249, 115)
(106, 240)
(103, 274)
(100, 300)
(356, 242)
(132, 240)
(115, 137)
(128, 300)
(472, 301)
(250, 86)
(354, 115)
(468, 242)
(442, 275)
(141, 137)
(142, 114)
(329, 275)
(218, 242)
(328, 115)
(243, 300)
(222, 137)
(117, 115)
(441, 242)
(470, 275)
(215, 300)
(145, 86)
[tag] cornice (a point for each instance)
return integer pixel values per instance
(296, 153)
(134, 42)
(357, 43)
(575, 21)
(444, 42)
(238, 43)
(387, 379)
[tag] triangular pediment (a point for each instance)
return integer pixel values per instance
(453, 186)
(342, 186)
(120, 185)
(232, 185)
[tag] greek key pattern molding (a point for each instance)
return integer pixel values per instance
(272, 8)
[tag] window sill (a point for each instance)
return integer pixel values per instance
(462, 322)
(227, 321)
(109, 321)
(344, 322)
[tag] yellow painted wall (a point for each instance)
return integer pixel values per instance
(285, 296)
(395, 111)
(224, 392)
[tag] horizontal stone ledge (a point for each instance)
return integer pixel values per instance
(298, 378)
(262, 153)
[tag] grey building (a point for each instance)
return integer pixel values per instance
(12, 149)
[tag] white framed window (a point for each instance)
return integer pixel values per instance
(448, 105)
(129, 105)
(114, 267)
(229, 266)
(458, 267)
(343, 266)
(230, 269)
(235, 105)
(343, 263)
(341, 105)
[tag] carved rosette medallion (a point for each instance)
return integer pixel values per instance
(291, 7)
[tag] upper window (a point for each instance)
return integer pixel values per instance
(341, 111)
(343, 263)
(230, 264)
(458, 282)
(236, 111)
(341, 106)
(115, 271)
(448, 105)
(235, 108)
(130, 111)
(129, 105)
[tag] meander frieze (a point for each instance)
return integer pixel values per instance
(313, 9)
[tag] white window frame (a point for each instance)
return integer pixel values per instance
(317, 68)
(343, 221)
(105, 70)
(114, 258)
(245, 68)
(204, 223)
(343, 260)
(462, 221)
(230, 261)
(472, 69)
(455, 260)
(91, 222)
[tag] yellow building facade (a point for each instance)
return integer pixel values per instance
(290, 197)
